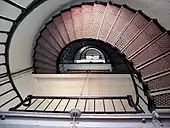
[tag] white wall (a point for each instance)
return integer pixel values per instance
(94, 84)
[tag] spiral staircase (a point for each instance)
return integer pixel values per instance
(139, 37)
(141, 42)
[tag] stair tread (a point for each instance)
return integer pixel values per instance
(87, 20)
(160, 65)
(62, 28)
(162, 100)
(97, 19)
(44, 64)
(77, 21)
(144, 37)
(134, 27)
(68, 21)
(157, 48)
(51, 40)
(39, 56)
(159, 83)
(47, 46)
(45, 59)
(122, 20)
(56, 34)
(45, 52)
(111, 12)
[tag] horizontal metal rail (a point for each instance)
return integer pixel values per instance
(15, 5)
(6, 92)
(2, 54)
(2, 43)
(160, 90)
(21, 71)
(82, 97)
(156, 74)
(2, 74)
(7, 19)
(1, 84)
(4, 32)
(31, 101)
(31, 115)
(88, 70)
(2, 64)
(8, 101)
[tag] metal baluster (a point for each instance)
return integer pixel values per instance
(49, 104)
(6, 92)
(76, 103)
(94, 105)
(113, 105)
(39, 104)
(58, 104)
(123, 105)
(67, 105)
(104, 106)
(85, 105)
(8, 101)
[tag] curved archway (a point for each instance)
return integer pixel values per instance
(110, 53)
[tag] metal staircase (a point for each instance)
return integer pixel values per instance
(143, 42)
(142, 39)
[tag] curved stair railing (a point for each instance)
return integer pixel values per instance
(137, 56)
(6, 77)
